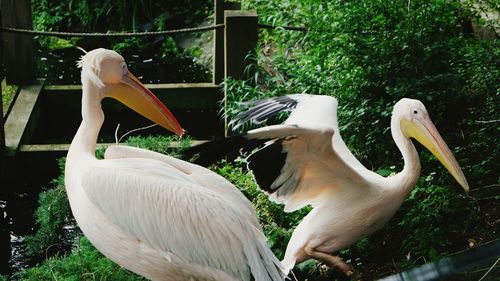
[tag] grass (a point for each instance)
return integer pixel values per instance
(8, 94)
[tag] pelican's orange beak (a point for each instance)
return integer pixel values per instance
(135, 95)
(424, 131)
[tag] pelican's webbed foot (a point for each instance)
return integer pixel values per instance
(333, 262)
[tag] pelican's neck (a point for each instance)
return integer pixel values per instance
(405, 180)
(85, 140)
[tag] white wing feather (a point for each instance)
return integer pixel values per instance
(322, 110)
(203, 176)
(165, 208)
(312, 165)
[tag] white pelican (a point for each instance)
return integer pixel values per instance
(305, 162)
(160, 217)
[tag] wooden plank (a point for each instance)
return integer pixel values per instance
(196, 106)
(18, 48)
(149, 86)
(176, 96)
(65, 146)
(21, 120)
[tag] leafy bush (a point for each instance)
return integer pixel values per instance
(429, 220)
(372, 53)
(85, 15)
(369, 54)
(156, 57)
(52, 215)
(83, 263)
(8, 93)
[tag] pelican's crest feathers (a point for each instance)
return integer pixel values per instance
(89, 63)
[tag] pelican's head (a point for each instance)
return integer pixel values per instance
(107, 70)
(415, 123)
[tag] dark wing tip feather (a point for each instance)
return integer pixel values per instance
(261, 110)
(266, 164)
(230, 148)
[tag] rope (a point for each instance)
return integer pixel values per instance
(295, 28)
(133, 34)
(120, 34)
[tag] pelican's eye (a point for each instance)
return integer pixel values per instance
(124, 68)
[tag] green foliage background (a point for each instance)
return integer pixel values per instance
(105, 15)
(161, 52)
(369, 54)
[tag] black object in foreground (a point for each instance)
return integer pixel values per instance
(452, 265)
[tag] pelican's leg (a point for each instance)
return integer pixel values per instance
(334, 262)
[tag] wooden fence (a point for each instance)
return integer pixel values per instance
(55, 109)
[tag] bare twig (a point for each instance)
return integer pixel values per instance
(485, 187)
(135, 130)
(116, 133)
(487, 272)
(487, 121)
(50, 265)
(487, 198)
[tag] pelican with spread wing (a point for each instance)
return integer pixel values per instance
(304, 161)
(160, 217)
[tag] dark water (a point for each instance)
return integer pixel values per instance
(26, 178)
(16, 222)
(5, 247)
(19, 200)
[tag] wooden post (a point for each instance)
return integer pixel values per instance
(231, 6)
(218, 61)
(241, 35)
(2, 130)
(240, 42)
(18, 48)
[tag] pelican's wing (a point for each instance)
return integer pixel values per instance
(302, 158)
(300, 167)
(294, 164)
(201, 175)
(168, 210)
(305, 109)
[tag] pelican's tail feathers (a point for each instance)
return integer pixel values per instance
(288, 264)
(263, 263)
(273, 265)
